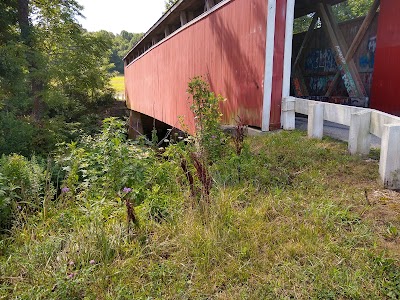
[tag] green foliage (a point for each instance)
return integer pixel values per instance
(391, 272)
(6, 204)
(105, 164)
(295, 226)
(24, 186)
(352, 9)
(86, 162)
(77, 68)
(118, 47)
(24, 136)
(209, 136)
(343, 11)
(121, 44)
(51, 70)
(209, 141)
(302, 24)
(13, 65)
(15, 135)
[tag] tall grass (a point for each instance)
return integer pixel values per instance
(300, 219)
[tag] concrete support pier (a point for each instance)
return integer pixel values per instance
(288, 117)
(316, 120)
(135, 125)
(359, 136)
(389, 164)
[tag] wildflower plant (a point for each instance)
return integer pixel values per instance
(209, 137)
(65, 190)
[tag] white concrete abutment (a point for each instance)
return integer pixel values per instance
(362, 122)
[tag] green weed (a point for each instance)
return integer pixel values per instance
(294, 224)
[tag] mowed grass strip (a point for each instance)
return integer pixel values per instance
(292, 218)
(118, 83)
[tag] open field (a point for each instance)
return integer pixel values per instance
(118, 83)
(290, 218)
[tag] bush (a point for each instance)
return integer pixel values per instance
(24, 186)
(106, 161)
(5, 204)
(209, 136)
(23, 136)
(104, 165)
(16, 135)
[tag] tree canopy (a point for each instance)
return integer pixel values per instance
(122, 43)
(51, 70)
(343, 11)
(51, 57)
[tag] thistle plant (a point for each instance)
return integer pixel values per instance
(130, 211)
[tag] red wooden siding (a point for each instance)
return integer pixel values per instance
(227, 47)
(386, 80)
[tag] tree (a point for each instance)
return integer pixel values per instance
(33, 58)
(122, 43)
(343, 11)
(47, 56)
(52, 71)
(12, 60)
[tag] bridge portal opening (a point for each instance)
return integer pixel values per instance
(333, 51)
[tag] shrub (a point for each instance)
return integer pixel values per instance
(24, 186)
(23, 136)
(105, 165)
(15, 135)
(5, 204)
(209, 135)
(106, 161)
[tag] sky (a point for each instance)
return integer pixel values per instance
(116, 15)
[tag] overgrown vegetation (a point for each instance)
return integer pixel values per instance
(286, 217)
(54, 75)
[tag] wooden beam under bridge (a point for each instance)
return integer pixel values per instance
(348, 72)
(356, 42)
(300, 87)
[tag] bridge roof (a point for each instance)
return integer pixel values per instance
(171, 19)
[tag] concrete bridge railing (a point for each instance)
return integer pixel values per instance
(362, 122)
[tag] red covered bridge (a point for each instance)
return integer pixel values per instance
(247, 51)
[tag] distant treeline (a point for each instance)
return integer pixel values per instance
(122, 43)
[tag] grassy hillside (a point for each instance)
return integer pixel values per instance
(289, 218)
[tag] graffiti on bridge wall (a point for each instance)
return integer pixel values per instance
(322, 60)
(367, 61)
(319, 85)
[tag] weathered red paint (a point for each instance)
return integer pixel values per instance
(386, 78)
(227, 48)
